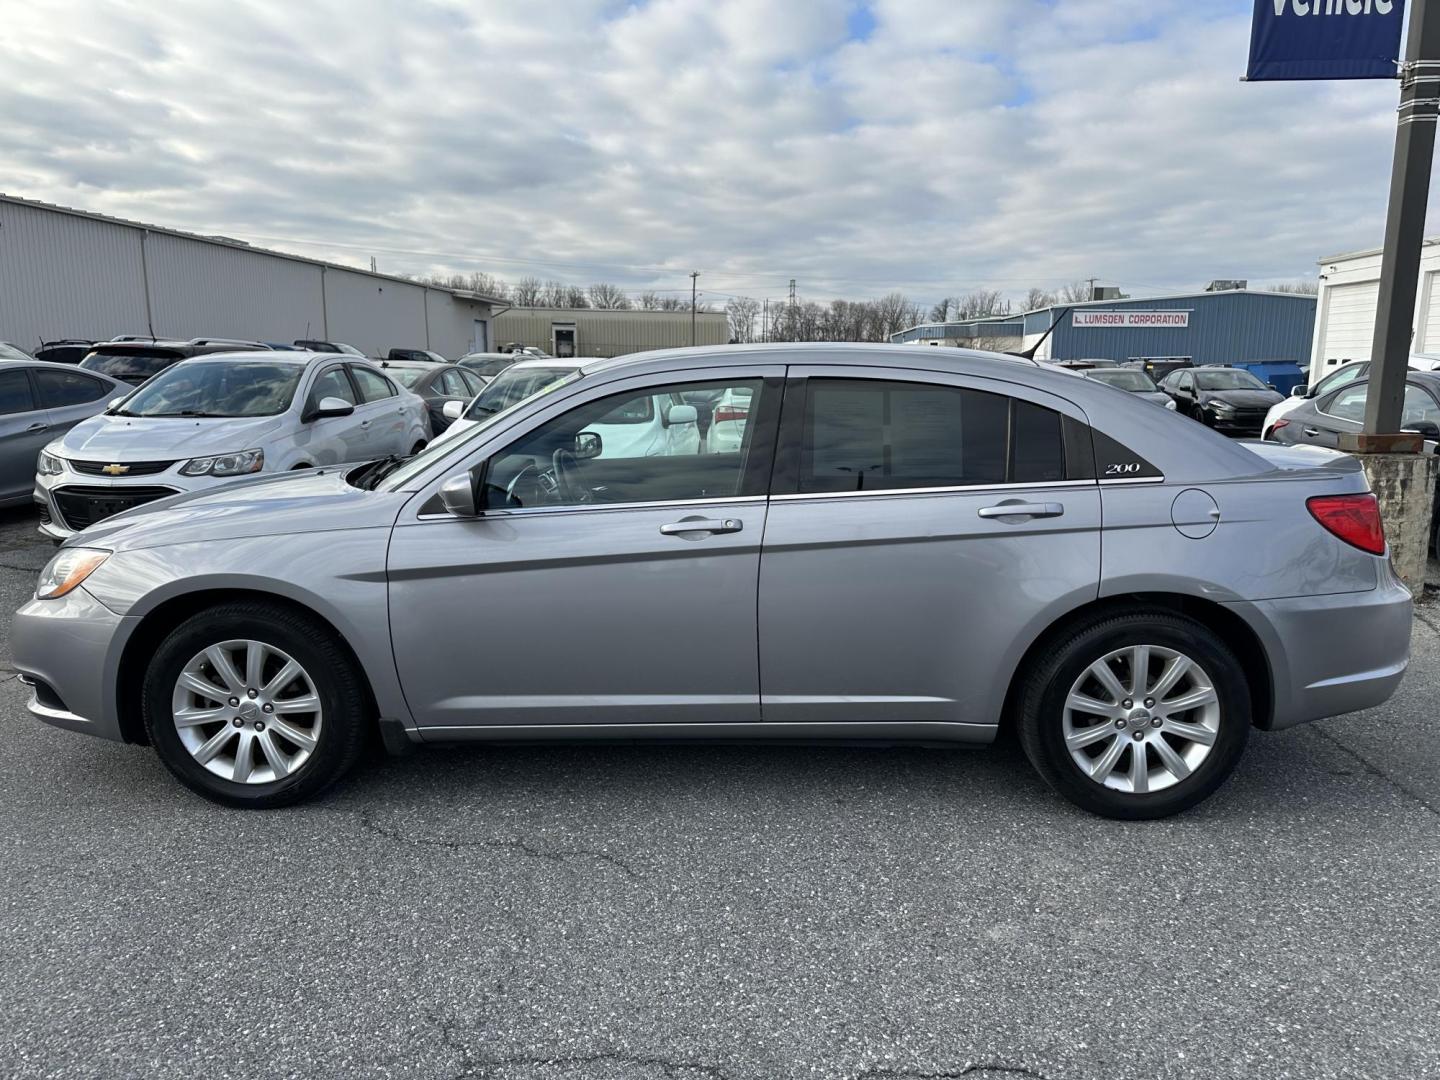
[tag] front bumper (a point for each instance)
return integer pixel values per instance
(1333, 654)
(68, 652)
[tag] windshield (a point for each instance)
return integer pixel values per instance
(131, 366)
(406, 377)
(1134, 381)
(216, 388)
(10, 352)
(515, 385)
(1228, 380)
(395, 480)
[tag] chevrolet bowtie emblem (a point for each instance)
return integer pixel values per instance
(115, 470)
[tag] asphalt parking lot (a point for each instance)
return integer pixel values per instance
(732, 913)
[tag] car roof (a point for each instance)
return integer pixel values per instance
(570, 362)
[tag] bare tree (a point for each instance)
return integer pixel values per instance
(1077, 292)
(1302, 287)
(608, 297)
(941, 311)
(527, 292)
(980, 304)
(741, 312)
(1039, 298)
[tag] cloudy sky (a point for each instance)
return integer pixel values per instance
(934, 146)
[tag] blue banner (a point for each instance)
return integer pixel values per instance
(1325, 39)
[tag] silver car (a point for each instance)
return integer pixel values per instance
(903, 547)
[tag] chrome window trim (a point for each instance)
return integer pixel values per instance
(1121, 481)
(591, 507)
(960, 489)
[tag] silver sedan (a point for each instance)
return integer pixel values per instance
(903, 545)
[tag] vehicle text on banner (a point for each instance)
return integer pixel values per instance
(1325, 39)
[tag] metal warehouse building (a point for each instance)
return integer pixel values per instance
(1350, 297)
(70, 274)
(605, 332)
(1221, 327)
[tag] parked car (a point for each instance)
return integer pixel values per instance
(1341, 376)
(1227, 399)
(1084, 365)
(209, 419)
(663, 425)
(64, 351)
(39, 401)
(135, 361)
(415, 356)
(1132, 381)
(438, 385)
(232, 343)
(917, 549)
(1159, 368)
(730, 418)
(312, 345)
(489, 364)
(13, 352)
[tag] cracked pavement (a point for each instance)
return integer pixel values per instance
(721, 913)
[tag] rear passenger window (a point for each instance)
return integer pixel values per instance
(373, 387)
(61, 388)
(15, 396)
(863, 435)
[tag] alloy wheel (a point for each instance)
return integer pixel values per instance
(1141, 719)
(247, 711)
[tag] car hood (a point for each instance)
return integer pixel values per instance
(1159, 397)
(165, 438)
(309, 501)
(1243, 399)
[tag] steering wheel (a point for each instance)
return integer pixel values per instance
(530, 471)
(562, 464)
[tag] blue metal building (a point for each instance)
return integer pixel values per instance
(1229, 327)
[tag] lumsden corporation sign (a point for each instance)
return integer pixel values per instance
(1130, 319)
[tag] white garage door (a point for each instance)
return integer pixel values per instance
(1429, 338)
(1349, 324)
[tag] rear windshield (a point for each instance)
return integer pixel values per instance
(406, 377)
(132, 366)
(1125, 379)
(204, 388)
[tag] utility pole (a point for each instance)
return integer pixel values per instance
(694, 277)
(1404, 232)
(765, 322)
(1091, 294)
(793, 334)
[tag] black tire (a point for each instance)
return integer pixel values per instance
(1048, 684)
(347, 723)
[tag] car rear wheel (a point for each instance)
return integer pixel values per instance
(254, 705)
(1137, 715)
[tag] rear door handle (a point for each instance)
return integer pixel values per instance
(1019, 509)
(1312, 432)
(702, 525)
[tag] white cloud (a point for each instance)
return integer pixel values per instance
(958, 144)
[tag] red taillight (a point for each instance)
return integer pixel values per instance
(1278, 424)
(727, 413)
(1353, 518)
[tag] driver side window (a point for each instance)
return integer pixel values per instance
(333, 383)
(640, 446)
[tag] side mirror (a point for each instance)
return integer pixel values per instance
(458, 496)
(1300, 391)
(1272, 386)
(330, 406)
(588, 444)
(1428, 428)
(682, 414)
(453, 410)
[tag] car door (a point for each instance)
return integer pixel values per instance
(923, 527)
(1184, 389)
(385, 422)
(619, 590)
(24, 431)
(330, 440)
(1343, 410)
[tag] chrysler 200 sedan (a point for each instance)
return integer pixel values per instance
(901, 547)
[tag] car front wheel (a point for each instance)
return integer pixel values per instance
(254, 705)
(1137, 715)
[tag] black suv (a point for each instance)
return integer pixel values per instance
(135, 361)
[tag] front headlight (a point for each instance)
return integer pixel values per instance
(49, 464)
(67, 570)
(1170, 403)
(246, 461)
(1220, 406)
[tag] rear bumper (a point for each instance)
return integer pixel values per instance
(1332, 654)
(68, 652)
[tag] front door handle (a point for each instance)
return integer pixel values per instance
(1022, 509)
(38, 427)
(1312, 432)
(702, 525)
